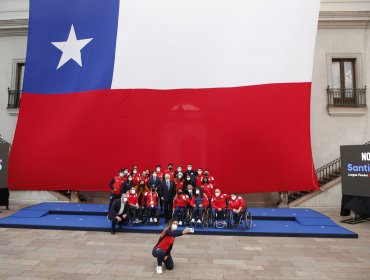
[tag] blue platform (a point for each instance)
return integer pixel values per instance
(290, 222)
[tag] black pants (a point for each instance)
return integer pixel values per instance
(160, 254)
(167, 205)
(135, 212)
(219, 215)
(152, 211)
(161, 204)
(112, 197)
(116, 222)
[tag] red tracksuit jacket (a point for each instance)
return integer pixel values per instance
(237, 203)
(151, 196)
(208, 190)
(179, 184)
(132, 199)
(117, 185)
(219, 202)
(181, 200)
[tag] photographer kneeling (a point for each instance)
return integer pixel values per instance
(162, 250)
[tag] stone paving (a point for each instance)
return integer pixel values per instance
(50, 254)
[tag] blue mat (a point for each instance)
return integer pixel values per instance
(290, 222)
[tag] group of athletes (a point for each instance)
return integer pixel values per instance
(135, 195)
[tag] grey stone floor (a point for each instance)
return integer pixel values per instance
(51, 254)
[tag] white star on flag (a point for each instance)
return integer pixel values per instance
(71, 48)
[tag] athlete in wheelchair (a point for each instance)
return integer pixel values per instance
(219, 209)
(238, 215)
(150, 202)
(135, 210)
(199, 205)
(180, 203)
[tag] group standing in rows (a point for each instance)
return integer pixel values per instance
(171, 191)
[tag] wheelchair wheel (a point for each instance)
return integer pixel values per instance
(229, 220)
(187, 218)
(205, 218)
(246, 220)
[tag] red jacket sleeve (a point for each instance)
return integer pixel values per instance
(205, 201)
(242, 202)
(174, 202)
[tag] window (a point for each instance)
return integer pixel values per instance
(344, 77)
(19, 75)
(15, 91)
(345, 88)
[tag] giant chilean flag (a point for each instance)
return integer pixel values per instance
(222, 84)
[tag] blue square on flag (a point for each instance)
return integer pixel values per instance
(71, 45)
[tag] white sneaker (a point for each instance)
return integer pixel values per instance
(159, 270)
(199, 221)
(180, 223)
(155, 220)
(151, 220)
(193, 220)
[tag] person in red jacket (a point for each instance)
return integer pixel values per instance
(210, 178)
(199, 177)
(179, 181)
(134, 207)
(235, 207)
(116, 188)
(140, 190)
(151, 202)
(144, 176)
(218, 203)
(169, 171)
(208, 189)
(125, 173)
(160, 173)
(179, 206)
(199, 202)
(135, 176)
(162, 250)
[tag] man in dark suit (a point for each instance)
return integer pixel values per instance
(118, 212)
(167, 192)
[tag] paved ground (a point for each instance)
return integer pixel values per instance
(49, 254)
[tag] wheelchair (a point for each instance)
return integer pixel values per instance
(131, 220)
(219, 222)
(206, 218)
(243, 220)
(146, 216)
(183, 216)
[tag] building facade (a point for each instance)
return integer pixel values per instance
(339, 113)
